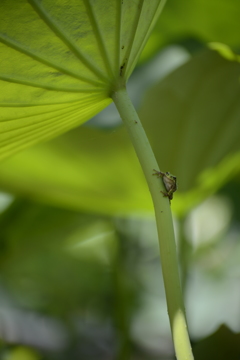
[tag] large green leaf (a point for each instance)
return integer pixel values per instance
(192, 118)
(85, 169)
(61, 60)
(205, 21)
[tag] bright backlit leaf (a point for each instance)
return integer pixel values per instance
(61, 60)
(85, 169)
(192, 120)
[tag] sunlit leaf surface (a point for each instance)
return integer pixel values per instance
(192, 118)
(86, 168)
(61, 60)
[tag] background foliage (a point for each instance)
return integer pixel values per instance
(80, 273)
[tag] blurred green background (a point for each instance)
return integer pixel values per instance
(80, 276)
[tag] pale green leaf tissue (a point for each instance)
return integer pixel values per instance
(60, 61)
(192, 120)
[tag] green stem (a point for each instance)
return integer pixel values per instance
(164, 225)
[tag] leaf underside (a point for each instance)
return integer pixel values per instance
(60, 61)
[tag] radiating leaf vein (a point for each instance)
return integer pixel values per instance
(65, 39)
(99, 37)
(16, 46)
